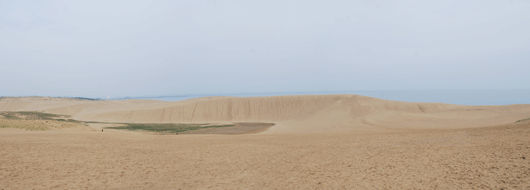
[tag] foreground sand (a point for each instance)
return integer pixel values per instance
(318, 142)
(490, 158)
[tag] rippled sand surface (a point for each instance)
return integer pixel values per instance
(490, 158)
(317, 142)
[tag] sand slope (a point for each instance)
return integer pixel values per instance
(479, 158)
(381, 145)
(292, 114)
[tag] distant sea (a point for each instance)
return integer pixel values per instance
(462, 97)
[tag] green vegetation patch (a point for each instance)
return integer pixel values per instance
(9, 115)
(68, 120)
(33, 115)
(165, 127)
(522, 120)
(150, 127)
(39, 115)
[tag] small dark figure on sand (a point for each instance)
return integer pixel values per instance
(101, 130)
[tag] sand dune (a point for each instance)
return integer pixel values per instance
(480, 158)
(292, 114)
(381, 145)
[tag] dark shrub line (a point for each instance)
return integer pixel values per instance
(165, 127)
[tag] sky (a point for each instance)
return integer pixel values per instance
(144, 48)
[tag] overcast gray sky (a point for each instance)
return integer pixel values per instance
(140, 48)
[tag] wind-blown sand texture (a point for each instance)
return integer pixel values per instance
(33, 125)
(318, 142)
(291, 114)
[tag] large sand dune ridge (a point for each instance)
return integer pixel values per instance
(292, 114)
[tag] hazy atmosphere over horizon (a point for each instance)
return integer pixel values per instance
(142, 48)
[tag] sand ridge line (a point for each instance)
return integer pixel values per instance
(292, 114)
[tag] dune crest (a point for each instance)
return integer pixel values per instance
(292, 114)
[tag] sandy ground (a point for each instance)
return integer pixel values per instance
(291, 114)
(480, 158)
(319, 142)
(40, 125)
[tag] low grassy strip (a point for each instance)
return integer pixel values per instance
(30, 115)
(39, 115)
(522, 120)
(9, 115)
(35, 121)
(36, 125)
(165, 127)
(30, 120)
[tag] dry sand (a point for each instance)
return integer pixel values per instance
(318, 142)
(291, 114)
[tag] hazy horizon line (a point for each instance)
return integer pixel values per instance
(243, 93)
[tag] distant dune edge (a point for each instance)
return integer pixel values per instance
(291, 114)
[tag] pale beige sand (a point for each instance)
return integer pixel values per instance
(483, 158)
(39, 125)
(379, 145)
(291, 114)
